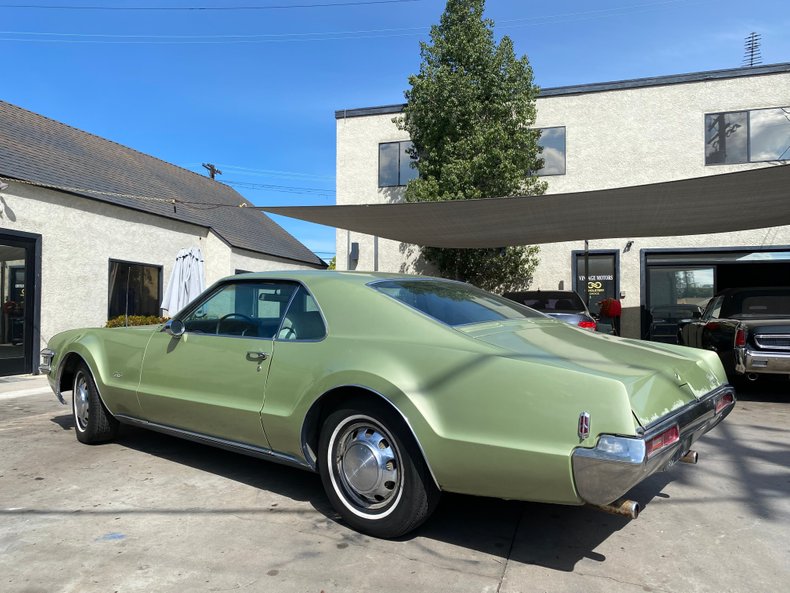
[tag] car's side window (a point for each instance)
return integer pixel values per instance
(303, 321)
(248, 309)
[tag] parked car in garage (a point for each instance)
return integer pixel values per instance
(564, 305)
(395, 388)
(666, 321)
(749, 328)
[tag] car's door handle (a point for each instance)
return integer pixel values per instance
(257, 356)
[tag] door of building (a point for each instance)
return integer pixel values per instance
(17, 292)
(603, 281)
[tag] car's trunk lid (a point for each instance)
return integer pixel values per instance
(659, 378)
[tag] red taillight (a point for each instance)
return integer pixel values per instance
(725, 400)
(740, 338)
(711, 325)
(662, 441)
(584, 324)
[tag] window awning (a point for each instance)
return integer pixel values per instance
(757, 198)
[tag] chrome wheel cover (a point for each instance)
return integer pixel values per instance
(81, 401)
(366, 468)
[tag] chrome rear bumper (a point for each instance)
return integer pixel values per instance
(756, 361)
(617, 463)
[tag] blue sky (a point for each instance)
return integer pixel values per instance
(255, 91)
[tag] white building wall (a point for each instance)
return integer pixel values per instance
(241, 259)
(613, 139)
(80, 236)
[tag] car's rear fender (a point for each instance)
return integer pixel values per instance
(350, 394)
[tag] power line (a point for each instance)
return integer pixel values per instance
(276, 173)
(208, 41)
(203, 8)
(103, 38)
(279, 188)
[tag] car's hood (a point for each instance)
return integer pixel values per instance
(659, 378)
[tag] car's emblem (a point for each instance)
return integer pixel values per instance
(584, 425)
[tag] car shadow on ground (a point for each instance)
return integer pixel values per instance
(555, 537)
(766, 389)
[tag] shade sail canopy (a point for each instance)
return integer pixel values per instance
(757, 198)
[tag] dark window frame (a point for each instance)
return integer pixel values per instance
(749, 159)
(400, 154)
(160, 269)
(564, 152)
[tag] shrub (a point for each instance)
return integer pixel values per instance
(123, 321)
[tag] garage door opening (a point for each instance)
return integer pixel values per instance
(684, 279)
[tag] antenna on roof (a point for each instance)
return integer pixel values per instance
(751, 54)
(212, 170)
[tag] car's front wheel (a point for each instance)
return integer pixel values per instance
(373, 472)
(93, 422)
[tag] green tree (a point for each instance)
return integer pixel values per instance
(332, 263)
(469, 113)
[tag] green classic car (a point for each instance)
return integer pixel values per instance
(395, 388)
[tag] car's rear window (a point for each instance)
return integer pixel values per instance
(765, 305)
(453, 303)
(550, 302)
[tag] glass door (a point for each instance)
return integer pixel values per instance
(16, 316)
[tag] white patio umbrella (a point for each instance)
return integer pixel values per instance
(187, 280)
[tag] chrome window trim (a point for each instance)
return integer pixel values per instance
(320, 312)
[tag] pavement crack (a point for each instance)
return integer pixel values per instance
(622, 582)
(510, 551)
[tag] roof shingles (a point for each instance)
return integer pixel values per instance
(41, 150)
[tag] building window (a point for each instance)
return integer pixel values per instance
(134, 289)
(753, 136)
(552, 143)
(395, 164)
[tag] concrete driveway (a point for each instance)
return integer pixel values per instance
(156, 514)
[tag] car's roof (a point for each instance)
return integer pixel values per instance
(311, 275)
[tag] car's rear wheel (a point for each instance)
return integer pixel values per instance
(373, 472)
(93, 422)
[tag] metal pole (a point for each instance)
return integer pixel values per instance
(587, 272)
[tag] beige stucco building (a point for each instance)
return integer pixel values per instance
(599, 136)
(90, 230)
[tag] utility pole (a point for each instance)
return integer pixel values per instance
(212, 170)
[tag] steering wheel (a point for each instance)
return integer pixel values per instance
(246, 318)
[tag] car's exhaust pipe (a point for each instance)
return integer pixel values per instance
(752, 377)
(622, 507)
(690, 457)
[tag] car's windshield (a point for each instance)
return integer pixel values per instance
(453, 303)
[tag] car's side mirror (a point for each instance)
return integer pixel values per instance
(175, 327)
